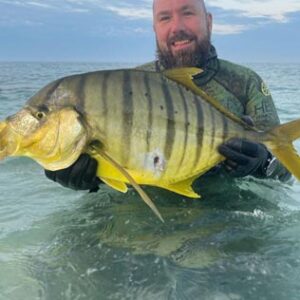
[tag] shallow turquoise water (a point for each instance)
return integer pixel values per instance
(241, 241)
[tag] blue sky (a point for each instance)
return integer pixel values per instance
(121, 30)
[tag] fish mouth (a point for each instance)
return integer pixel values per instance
(8, 140)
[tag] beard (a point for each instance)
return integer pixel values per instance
(184, 58)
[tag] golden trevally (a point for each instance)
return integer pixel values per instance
(143, 127)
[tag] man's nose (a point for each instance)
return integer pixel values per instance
(177, 24)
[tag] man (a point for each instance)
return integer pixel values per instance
(183, 35)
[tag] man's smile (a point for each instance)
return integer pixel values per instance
(182, 44)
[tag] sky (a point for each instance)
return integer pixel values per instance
(121, 30)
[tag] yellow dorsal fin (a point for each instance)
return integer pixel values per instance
(117, 185)
(116, 167)
(183, 188)
(185, 77)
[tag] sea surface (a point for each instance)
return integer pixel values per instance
(240, 241)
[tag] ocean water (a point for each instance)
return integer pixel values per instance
(241, 241)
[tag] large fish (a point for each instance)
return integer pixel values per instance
(147, 128)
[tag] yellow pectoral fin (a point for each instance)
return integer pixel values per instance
(117, 185)
(107, 171)
(183, 188)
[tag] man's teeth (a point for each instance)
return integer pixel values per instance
(179, 43)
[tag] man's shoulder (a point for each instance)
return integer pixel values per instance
(236, 69)
(150, 66)
(238, 79)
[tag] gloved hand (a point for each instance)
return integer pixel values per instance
(79, 176)
(245, 157)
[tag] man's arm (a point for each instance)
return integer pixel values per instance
(261, 109)
(248, 158)
(82, 175)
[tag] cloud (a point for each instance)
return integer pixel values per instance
(276, 10)
(39, 4)
(133, 12)
(28, 3)
(231, 23)
(130, 12)
(269, 10)
(8, 22)
(141, 30)
(226, 29)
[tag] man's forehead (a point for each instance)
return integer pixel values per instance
(165, 5)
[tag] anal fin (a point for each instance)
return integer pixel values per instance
(117, 185)
(183, 188)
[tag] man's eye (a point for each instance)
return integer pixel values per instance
(164, 18)
(188, 13)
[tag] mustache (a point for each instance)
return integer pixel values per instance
(180, 36)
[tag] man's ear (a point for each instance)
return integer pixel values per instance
(209, 20)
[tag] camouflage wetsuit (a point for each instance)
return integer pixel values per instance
(240, 90)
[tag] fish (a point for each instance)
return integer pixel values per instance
(143, 128)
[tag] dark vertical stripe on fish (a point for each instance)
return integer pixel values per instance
(104, 98)
(199, 134)
(170, 135)
(148, 96)
(49, 95)
(80, 92)
(127, 116)
(186, 125)
(225, 128)
(213, 130)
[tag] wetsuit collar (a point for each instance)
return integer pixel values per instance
(210, 67)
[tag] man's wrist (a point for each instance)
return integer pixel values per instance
(270, 166)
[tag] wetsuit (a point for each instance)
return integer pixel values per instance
(240, 90)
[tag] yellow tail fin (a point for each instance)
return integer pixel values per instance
(281, 145)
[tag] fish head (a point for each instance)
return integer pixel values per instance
(54, 137)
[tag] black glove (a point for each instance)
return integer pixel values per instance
(80, 176)
(245, 158)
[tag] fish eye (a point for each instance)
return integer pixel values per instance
(40, 115)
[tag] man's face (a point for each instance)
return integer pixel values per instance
(183, 30)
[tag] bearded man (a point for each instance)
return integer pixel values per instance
(183, 35)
